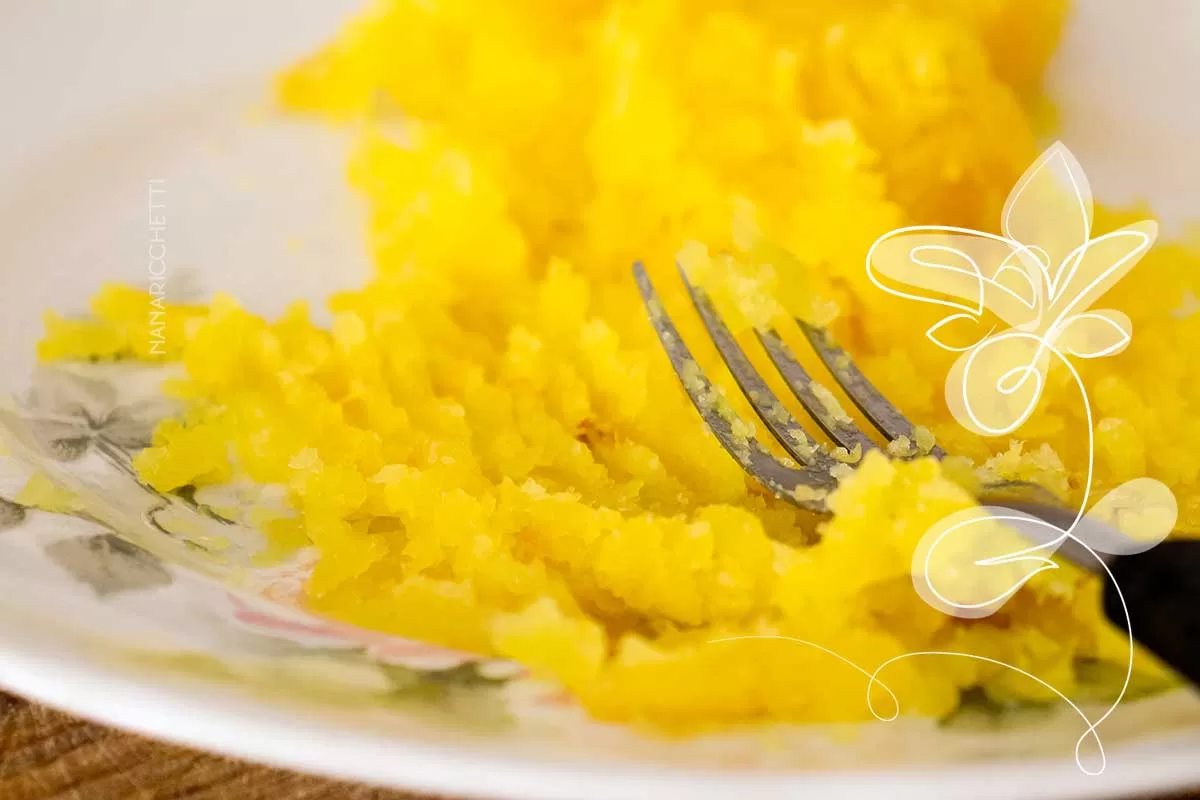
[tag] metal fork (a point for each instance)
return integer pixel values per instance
(809, 474)
(1161, 586)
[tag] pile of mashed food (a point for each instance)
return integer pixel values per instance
(489, 448)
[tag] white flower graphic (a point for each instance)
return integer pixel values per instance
(1018, 302)
(1039, 278)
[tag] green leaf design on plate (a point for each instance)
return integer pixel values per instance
(11, 514)
(979, 711)
(1101, 681)
(69, 414)
(461, 691)
(109, 564)
(348, 679)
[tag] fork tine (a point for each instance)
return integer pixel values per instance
(766, 404)
(874, 406)
(804, 486)
(815, 398)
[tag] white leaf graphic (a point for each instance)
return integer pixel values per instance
(1049, 210)
(968, 337)
(956, 268)
(971, 562)
(993, 388)
(1096, 265)
(1014, 279)
(1131, 518)
(1095, 334)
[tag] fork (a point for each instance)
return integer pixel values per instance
(1161, 586)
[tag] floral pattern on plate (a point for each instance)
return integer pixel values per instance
(169, 585)
(74, 435)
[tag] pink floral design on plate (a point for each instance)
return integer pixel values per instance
(310, 630)
(285, 582)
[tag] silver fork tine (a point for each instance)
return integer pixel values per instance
(874, 406)
(805, 486)
(839, 427)
(808, 486)
(766, 404)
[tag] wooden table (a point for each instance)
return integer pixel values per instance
(46, 754)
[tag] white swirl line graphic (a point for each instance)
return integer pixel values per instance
(874, 680)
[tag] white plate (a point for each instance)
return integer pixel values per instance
(156, 633)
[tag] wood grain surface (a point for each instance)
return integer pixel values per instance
(47, 754)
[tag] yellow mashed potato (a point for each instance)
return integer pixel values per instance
(489, 448)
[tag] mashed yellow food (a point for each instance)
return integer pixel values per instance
(489, 448)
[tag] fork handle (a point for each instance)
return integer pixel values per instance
(1162, 592)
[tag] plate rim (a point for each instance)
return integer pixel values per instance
(214, 717)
